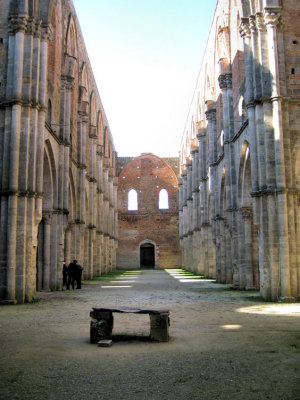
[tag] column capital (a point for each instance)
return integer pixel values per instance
(47, 217)
(67, 82)
(18, 23)
(260, 22)
(225, 81)
(189, 164)
(201, 134)
(211, 115)
(272, 16)
(46, 32)
(222, 82)
(252, 24)
(194, 151)
(245, 31)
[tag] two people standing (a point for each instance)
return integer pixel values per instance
(71, 274)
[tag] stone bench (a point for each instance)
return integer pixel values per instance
(102, 321)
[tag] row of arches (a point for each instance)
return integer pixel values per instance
(238, 193)
(79, 197)
(58, 191)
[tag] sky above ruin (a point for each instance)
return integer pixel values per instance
(146, 56)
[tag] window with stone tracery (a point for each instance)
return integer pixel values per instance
(163, 200)
(132, 200)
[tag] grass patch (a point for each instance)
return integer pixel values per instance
(110, 275)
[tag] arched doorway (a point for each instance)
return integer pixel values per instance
(147, 256)
(45, 279)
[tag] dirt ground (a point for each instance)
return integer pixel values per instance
(224, 344)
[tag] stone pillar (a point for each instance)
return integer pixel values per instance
(189, 216)
(46, 247)
(272, 16)
(68, 238)
(115, 232)
(12, 144)
(184, 218)
(180, 195)
(212, 150)
(195, 216)
(210, 185)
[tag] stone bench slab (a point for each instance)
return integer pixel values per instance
(102, 322)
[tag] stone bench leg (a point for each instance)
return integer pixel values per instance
(101, 328)
(159, 327)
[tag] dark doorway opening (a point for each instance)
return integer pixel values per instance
(147, 257)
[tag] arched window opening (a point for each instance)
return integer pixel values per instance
(163, 202)
(132, 200)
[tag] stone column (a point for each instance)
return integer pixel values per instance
(180, 196)
(68, 238)
(210, 184)
(212, 150)
(12, 145)
(195, 228)
(272, 16)
(184, 218)
(115, 233)
(189, 216)
(46, 247)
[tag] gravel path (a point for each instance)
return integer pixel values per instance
(224, 344)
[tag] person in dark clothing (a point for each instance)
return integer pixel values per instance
(65, 273)
(72, 273)
(78, 276)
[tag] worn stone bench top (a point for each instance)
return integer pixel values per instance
(131, 310)
(103, 320)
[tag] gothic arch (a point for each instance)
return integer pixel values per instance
(84, 84)
(43, 260)
(50, 178)
(248, 241)
(71, 38)
(244, 186)
(70, 48)
(100, 128)
(93, 115)
(72, 198)
(106, 142)
(151, 247)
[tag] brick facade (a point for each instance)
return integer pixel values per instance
(148, 225)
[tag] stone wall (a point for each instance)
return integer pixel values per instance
(148, 225)
(239, 188)
(58, 186)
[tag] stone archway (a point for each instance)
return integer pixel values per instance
(248, 244)
(147, 256)
(43, 257)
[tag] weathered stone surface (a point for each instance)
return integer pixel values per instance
(245, 122)
(57, 161)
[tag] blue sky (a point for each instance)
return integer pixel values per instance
(146, 55)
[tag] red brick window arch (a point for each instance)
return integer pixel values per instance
(132, 204)
(163, 200)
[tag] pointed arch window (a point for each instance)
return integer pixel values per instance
(132, 200)
(163, 200)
